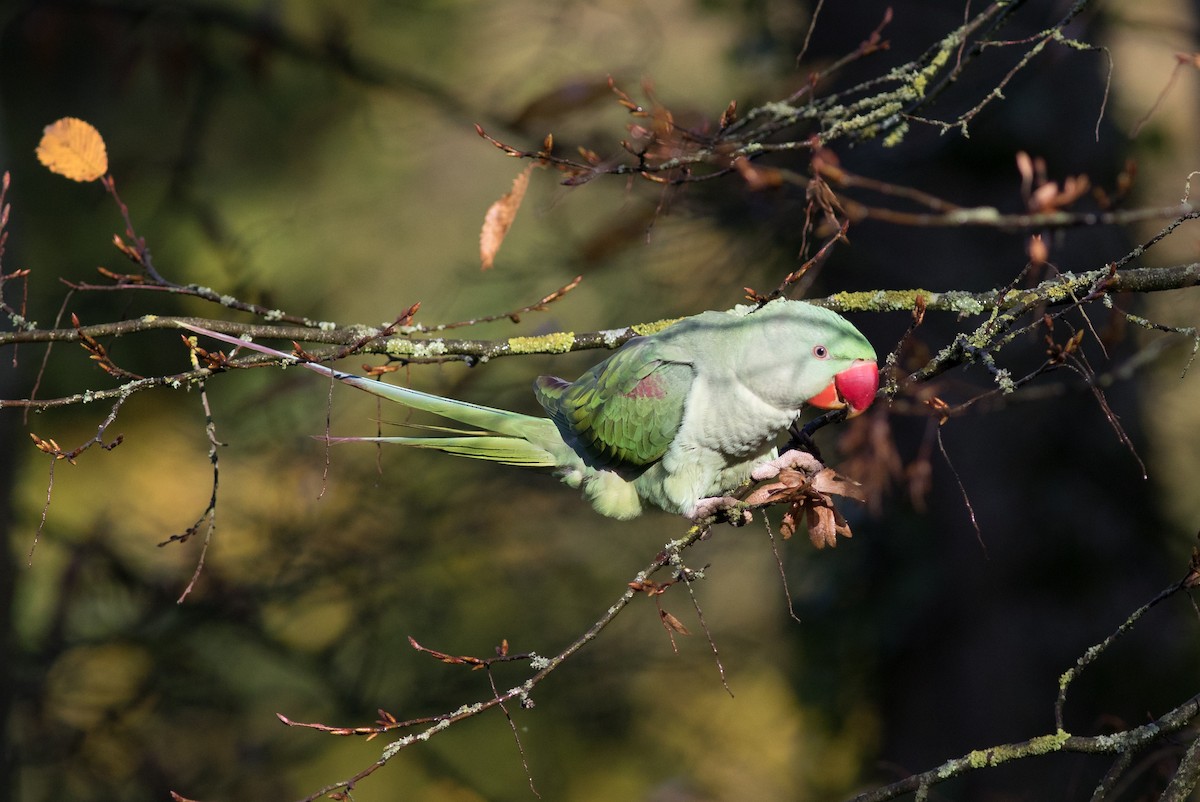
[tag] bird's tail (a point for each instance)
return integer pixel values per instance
(477, 445)
(507, 437)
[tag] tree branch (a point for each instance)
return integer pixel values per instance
(1123, 743)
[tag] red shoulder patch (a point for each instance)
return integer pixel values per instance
(649, 387)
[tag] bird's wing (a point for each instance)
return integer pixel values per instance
(625, 411)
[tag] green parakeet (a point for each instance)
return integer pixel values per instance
(675, 419)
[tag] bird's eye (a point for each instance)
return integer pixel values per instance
(820, 352)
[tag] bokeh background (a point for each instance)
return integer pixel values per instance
(322, 159)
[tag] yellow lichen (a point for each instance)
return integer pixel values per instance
(557, 343)
(921, 81)
(877, 301)
(896, 136)
(419, 349)
(1041, 745)
(643, 329)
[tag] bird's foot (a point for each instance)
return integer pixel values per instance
(720, 508)
(795, 460)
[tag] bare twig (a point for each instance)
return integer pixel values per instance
(542, 668)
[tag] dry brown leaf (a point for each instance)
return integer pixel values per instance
(825, 524)
(830, 481)
(74, 149)
(787, 527)
(810, 497)
(499, 219)
(786, 482)
(673, 623)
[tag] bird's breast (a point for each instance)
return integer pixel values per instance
(732, 421)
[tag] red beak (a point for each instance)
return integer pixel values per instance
(854, 387)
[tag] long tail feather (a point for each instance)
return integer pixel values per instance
(508, 450)
(505, 439)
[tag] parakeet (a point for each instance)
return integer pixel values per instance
(675, 419)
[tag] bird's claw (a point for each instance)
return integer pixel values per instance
(795, 460)
(720, 508)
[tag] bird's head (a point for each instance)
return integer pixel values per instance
(793, 354)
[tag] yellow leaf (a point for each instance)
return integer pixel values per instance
(74, 149)
(500, 218)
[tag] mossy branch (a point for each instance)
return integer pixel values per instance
(1006, 307)
(1119, 743)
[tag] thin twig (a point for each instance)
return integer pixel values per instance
(543, 667)
(1090, 656)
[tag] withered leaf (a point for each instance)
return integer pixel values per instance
(780, 489)
(499, 219)
(825, 523)
(673, 623)
(73, 149)
(830, 481)
(787, 527)
(812, 498)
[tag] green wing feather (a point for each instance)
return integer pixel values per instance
(624, 412)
